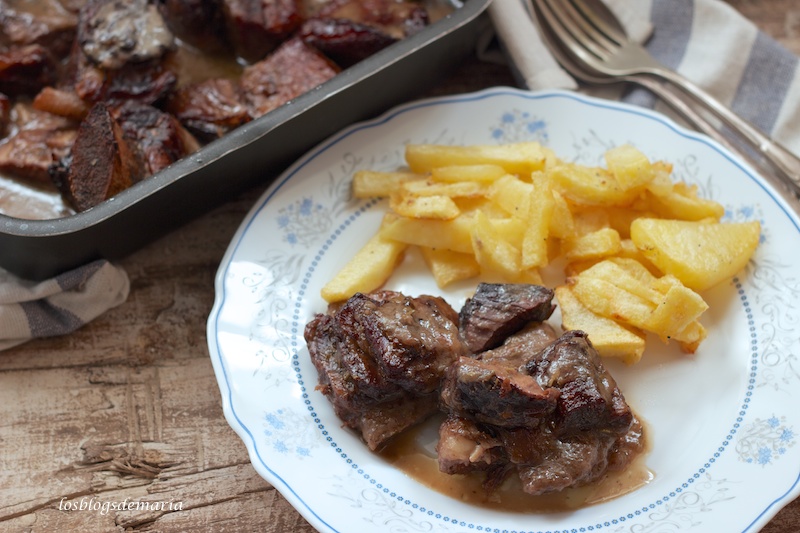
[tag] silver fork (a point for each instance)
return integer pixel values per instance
(603, 49)
(665, 93)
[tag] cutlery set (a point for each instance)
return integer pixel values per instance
(591, 45)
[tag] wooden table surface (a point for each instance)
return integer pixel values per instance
(127, 408)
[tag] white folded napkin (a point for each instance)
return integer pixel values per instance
(705, 40)
(58, 305)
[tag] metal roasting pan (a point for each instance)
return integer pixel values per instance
(248, 156)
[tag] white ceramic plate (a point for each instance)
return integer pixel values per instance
(724, 423)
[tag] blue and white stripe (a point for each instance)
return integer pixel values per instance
(716, 47)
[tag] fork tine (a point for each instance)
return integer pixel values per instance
(570, 42)
(581, 31)
(595, 17)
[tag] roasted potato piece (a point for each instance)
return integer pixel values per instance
(369, 268)
(536, 240)
(630, 167)
(584, 185)
(493, 253)
(448, 267)
(372, 183)
(625, 291)
(478, 173)
(697, 253)
(434, 207)
(453, 235)
(609, 337)
(516, 158)
(604, 242)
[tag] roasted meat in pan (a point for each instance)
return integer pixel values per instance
(35, 141)
(116, 147)
(26, 69)
(344, 41)
(197, 22)
(67, 56)
(257, 27)
(47, 23)
(210, 108)
(291, 70)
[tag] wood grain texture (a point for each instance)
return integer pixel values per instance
(128, 406)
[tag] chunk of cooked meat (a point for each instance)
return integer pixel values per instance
(383, 353)
(121, 55)
(344, 41)
(590, 399)
(114, 33)
(256, 27)
(210, 108)
(291, 70)
(30, 153)
(546, 463)
(36, 140)
(24, 70)
(102, 162)
(490, 388)
(396, 18)
(589, 430)
(157, 136)
(498, 310)
(496, 395)
(44, 22)
(539, 406)
(196, 22)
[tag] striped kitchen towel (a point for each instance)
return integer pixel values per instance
(58, 305)
(708, 41)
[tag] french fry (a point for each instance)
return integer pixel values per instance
(371, 183)
(458, 189)
(369, 268)
(434, 207)
(609, 337)
(515, 158)
(493, 253)
(700, 254)
(448, 267)
(584, 185)
(535, 242)
(512, 195)
(453, 235)
(625, 291)
(630, 167)
(682, 203)
(478, 173)
(604, 242)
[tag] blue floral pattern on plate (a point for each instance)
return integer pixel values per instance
(722, 421)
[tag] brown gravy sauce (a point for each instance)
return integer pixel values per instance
(414, 454)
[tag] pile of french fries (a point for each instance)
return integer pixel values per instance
(638, 246)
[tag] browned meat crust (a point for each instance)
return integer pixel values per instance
(497, 310)
(381, 358)
(293, 69)
(103, 162)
